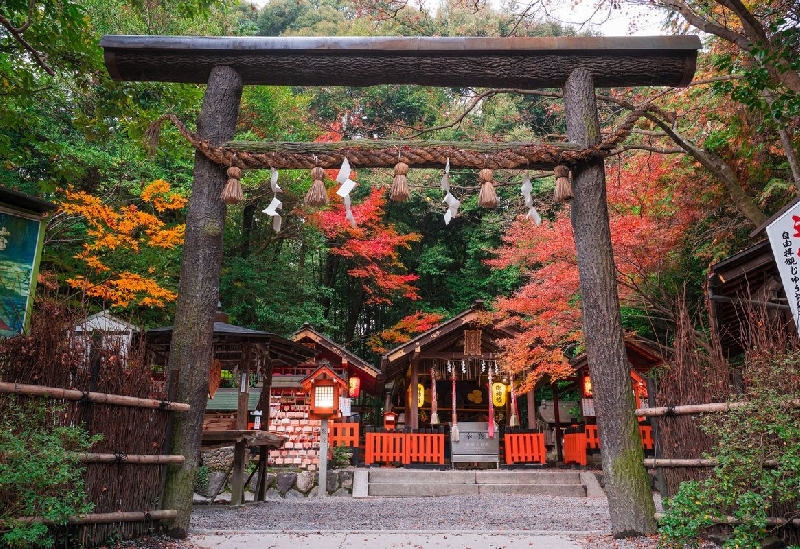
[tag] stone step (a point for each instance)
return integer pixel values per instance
(426, 490)
(410, 482)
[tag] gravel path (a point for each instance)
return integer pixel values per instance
(583, 519)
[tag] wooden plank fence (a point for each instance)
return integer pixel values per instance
(524, 448)
(404, 448)
(576, 444)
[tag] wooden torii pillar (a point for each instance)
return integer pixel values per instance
(576, 64)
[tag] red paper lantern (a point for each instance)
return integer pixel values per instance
(354, 387)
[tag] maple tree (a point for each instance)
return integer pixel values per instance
(116, 234)
(650, 214)
(403, 330)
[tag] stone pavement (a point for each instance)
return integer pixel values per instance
(382, 540)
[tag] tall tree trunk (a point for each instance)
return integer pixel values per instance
(630, 500)
(198, 292)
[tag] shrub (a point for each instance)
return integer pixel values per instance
(758, 461)
(40, 475)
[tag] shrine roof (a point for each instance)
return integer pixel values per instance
(442, 341)
(307, 332)
(513, 62)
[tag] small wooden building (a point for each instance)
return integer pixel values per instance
(289, 403)
(463, 347)
(740, 284)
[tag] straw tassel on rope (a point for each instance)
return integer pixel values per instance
(563, 191)
(317, 195)
(400, 191)
(232, 193)
(487, 197)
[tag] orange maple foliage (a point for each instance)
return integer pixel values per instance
(403, 331)
(121, 231)
(648, 219)
(372, 246)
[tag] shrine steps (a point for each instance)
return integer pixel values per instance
(411, 482)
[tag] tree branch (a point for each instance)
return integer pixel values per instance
(17, 33)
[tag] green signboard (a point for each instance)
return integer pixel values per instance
(21, 237)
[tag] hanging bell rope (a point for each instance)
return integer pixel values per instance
(232, 193)
(317, 195)
(487, 197)
(399, 191)
(563, 191)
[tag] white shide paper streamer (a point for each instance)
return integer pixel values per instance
(527, 187)
(275, 205)
(347, 185)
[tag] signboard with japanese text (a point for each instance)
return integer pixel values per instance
(784, 238)
(20, 241)
(474, 443)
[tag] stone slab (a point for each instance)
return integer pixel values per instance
(360, 483)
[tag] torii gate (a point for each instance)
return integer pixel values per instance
(576, 64)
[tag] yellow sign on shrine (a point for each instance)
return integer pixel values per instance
(499, 394)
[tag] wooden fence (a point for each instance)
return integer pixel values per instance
(576, 444)
(404, 448)
(116, 481)
(524, 448)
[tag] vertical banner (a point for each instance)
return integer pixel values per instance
(19, 241)
(784, 238)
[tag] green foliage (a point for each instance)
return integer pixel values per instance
(40, 475)
(341, 456)
(201, 480)
(758, 461)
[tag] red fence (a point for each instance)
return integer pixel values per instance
(343, 434)
(576, 444)
(404, 448)
(525, 448)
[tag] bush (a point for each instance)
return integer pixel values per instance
(758, 461)
(40, 475)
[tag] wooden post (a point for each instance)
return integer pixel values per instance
(557, 429)
(412, 417)
(264, 405)
(630, 500)
(323, 459)
(198, 291)
(242, 413)
(531, 409)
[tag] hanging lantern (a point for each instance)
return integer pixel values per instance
(399, 191)
(354, 387)
(317, 195)
(587, 386)
(563, 191)
(499, 394)
(232, 193)
(420, 394)
(487, 197)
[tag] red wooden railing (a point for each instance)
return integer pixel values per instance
(404, 448)
(424, 448)
(342, 434)
(575, 448)
(524, 448)
(593, 442)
